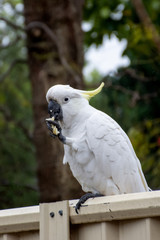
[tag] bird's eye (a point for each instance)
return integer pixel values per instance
(66, 99)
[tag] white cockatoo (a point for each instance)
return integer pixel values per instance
(98, 151)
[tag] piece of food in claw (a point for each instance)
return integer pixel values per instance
(55, 130)
(50, 119)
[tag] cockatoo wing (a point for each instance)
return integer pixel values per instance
(114, 155)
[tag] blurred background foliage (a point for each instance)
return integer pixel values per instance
(18, 184)
(130, 96)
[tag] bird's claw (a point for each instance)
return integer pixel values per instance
(77, 207)
(84, 198)
(52, 135)
(50, 124)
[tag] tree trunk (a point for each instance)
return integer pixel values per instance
(55, 54)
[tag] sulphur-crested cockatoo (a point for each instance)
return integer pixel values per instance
(98, 151)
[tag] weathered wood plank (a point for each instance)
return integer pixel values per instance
(109, 208)
(54, 221)
(19, 219)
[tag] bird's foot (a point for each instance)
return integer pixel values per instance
(84, 198)
(55, 130)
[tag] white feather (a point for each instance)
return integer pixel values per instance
(100, 154)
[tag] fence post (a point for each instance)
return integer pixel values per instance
(54, 221)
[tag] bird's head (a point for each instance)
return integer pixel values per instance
(65, 100)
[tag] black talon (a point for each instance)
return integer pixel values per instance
(49, 126)
(84, 198)
(62, 138)
(59, 135)
(52, 135)
(51, 123)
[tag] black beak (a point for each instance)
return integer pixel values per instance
(55, 110)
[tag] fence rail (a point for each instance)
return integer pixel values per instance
(121, 217)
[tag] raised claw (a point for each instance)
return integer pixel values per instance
(54, 123)
(49, 126)
(55, 130)
(52, 135)
(52, 128)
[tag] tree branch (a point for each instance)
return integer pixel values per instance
(132, 73)
(121, 88)
(135, 95)
(16, 61)
(53, 37)
(11, 24)
(147, 22)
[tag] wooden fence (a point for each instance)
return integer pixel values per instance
(121, 217)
